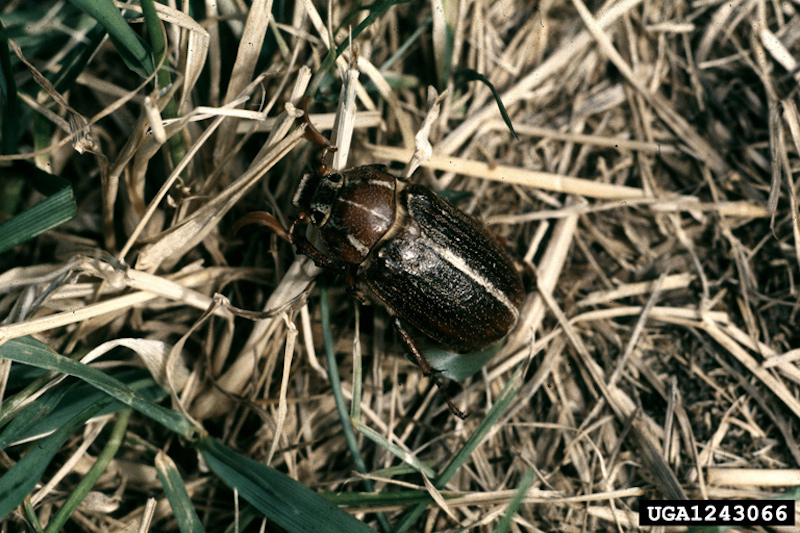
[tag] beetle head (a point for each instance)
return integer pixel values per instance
(316, 194)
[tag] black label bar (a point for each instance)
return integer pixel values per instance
(716, 512)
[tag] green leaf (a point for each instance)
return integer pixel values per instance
(57, 208)
(133, 50)
(513, 506)
(178, 497)
(19, 481)
(155, 30)
(445, 17)
(88, 481)
(29, 351)
(455, 196)
(32, 414)
(502, 403)
(467, 74)
(77, 59)
(21, 375)
(336, 384)
(338, 396)
(9, 108)
(376, 10)
(55, 407)
(394, 498)
(289, 504)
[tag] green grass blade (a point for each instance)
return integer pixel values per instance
(365, 499)
(504, 525)
(247, 515)
(19, 481)
(12, 403)
(55, 407)
(445, 15)
(291, 505)
(155, 31)
(467, 74)
(503, 402)
(131, 47)
(31, 415)
(341, 406)
(398, 452)
(88, 481)
(76, 61)
(336, 384)
(57, 208)
(178, 497)
(9, 107)
(376, 11)
(406, 46)
(459, 366)
(30, 512)
(28, 351)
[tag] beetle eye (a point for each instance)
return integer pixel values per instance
(335, 179)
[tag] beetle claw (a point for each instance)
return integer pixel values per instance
(434, 375)
(427, 369)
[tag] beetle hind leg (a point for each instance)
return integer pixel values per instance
(427, 369)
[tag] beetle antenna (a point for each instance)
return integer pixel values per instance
(312, 135)
(427, 369)
(267, 220)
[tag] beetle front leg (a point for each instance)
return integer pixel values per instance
(527, 273)
(292, 235)
(425, 366)
(303, 246)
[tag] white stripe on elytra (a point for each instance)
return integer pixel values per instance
(459, 263)
(369, 210)
(358, 245)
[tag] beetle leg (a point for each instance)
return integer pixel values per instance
(292, 235)
(303, 246)
(352, 279)
(527, 273)
(351, 282)
(425, 366)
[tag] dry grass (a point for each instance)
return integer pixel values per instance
(652, 187)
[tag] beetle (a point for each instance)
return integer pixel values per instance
(403, 246)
